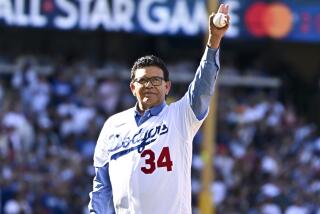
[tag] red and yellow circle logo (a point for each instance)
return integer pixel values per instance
(274, 20)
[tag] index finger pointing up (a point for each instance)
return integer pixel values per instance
(223, 9)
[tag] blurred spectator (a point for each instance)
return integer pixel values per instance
(109, 95)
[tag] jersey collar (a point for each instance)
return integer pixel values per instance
(153, 111)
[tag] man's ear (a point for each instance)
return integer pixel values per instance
(132, 87)
(168, 87)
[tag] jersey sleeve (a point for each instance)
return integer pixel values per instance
(101, 156)
(191, 110)
(186, 121)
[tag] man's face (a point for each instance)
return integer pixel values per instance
(149, 87)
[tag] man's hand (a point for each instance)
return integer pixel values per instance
(215, 33)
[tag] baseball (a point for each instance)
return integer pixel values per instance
(220, 20)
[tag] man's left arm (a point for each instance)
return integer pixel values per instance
(201, 88)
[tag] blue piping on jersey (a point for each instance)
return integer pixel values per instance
(140, 149)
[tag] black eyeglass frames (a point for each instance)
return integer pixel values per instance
(155, 81)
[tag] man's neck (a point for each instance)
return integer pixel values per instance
(141, 109)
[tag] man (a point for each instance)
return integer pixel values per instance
(143, 155)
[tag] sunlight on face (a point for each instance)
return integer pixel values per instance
(149, 95)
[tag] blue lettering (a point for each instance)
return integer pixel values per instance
(158, 129)
(150, 135)
(164, 129)
(115, 141)
(141, 138)
(126, 142)
(134, 136)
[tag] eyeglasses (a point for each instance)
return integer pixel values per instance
(155, 81)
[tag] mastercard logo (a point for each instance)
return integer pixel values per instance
(274, 20)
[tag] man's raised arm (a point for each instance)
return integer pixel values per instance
(201, 88)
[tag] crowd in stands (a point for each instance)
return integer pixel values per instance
(267, 157)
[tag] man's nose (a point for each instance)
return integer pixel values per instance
(148, 84)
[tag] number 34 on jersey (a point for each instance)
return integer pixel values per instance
(153, 163)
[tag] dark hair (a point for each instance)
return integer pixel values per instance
(150, 60)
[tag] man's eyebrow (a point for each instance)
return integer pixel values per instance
(150, 77)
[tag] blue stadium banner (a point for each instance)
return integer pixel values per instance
(187, 17)
(288, 20)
